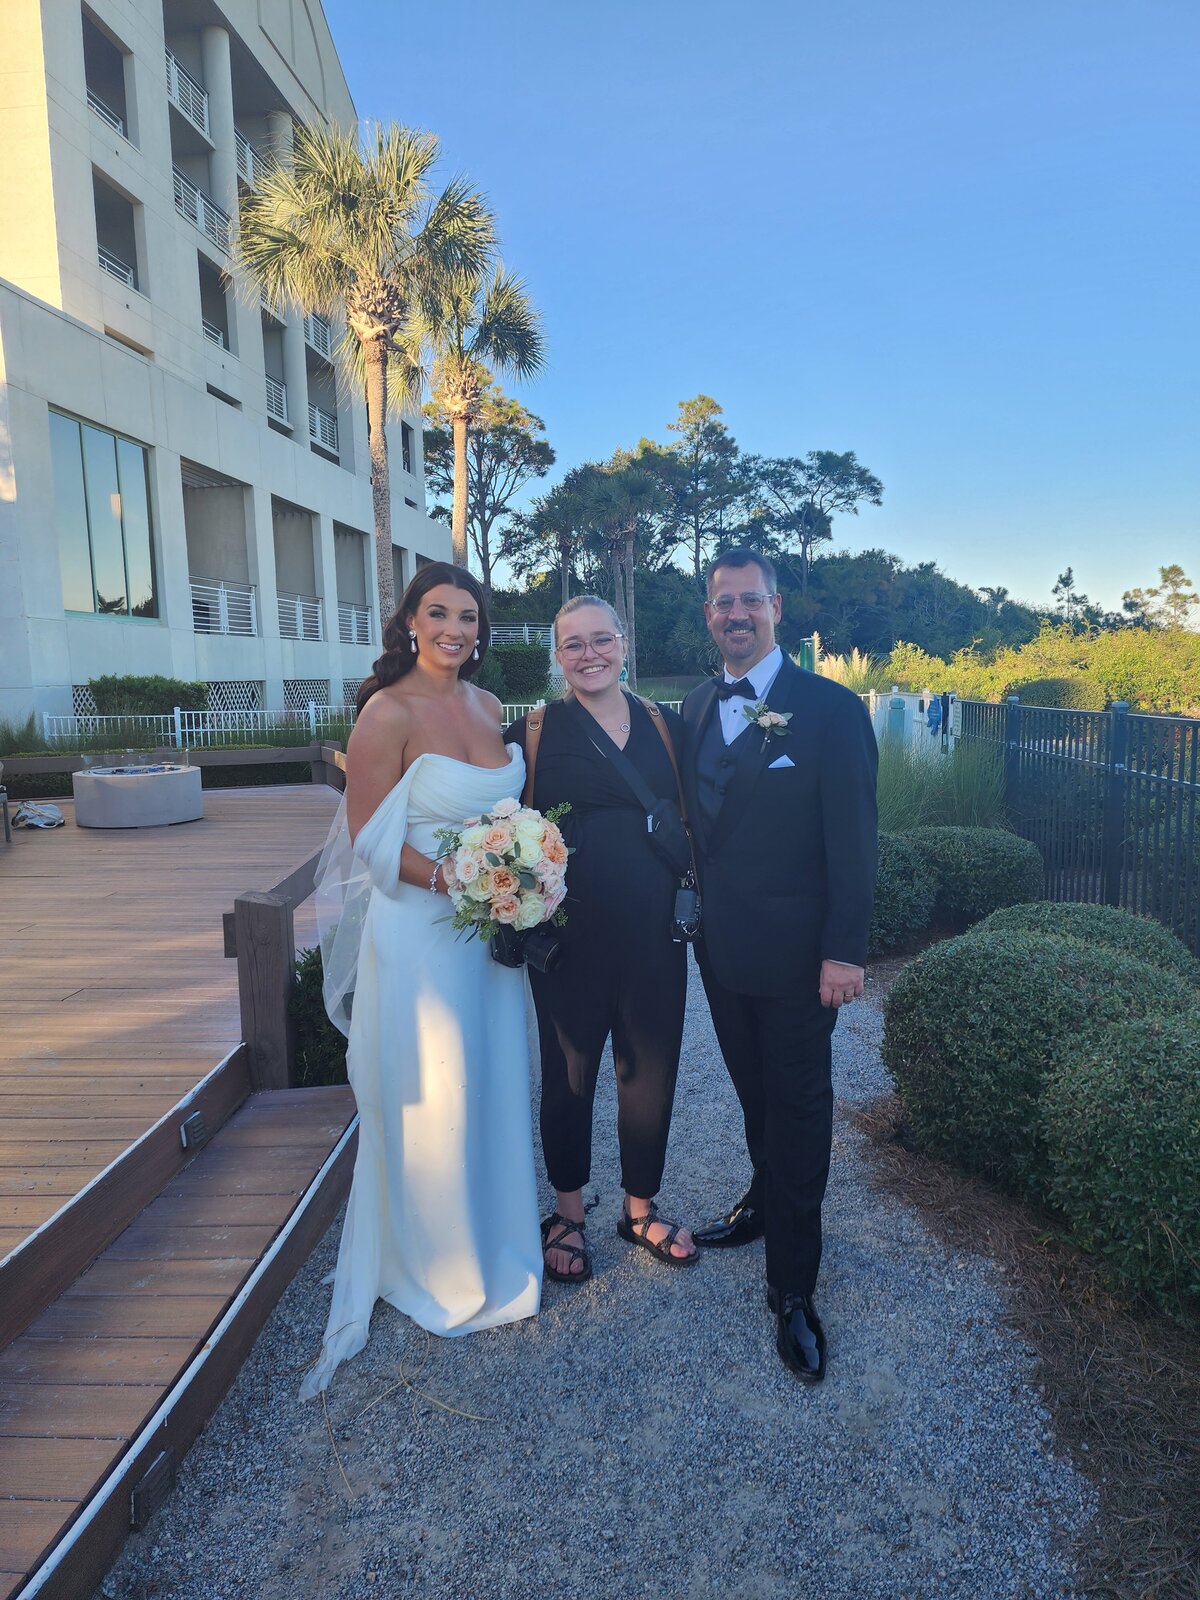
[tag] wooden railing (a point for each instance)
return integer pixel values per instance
(260, 931)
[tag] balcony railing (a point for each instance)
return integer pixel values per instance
(116, 268)
(187, 96)
(106, 113)
(214, 334)
(201, 212)
(224, 607)
(301, 616)
(322, 428)
(276, 399)
(354, 624)
(319, 334)
(251, 163)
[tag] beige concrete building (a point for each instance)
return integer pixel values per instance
(184, 485)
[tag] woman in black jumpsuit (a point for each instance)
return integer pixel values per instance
(621, 973)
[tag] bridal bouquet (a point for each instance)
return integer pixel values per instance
(505, 869)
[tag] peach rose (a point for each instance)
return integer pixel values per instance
(497, 838)
(556, 851)
(504, 881)
(555, 898)
(505, 807)
(507, 908)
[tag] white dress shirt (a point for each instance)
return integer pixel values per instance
(761, 677)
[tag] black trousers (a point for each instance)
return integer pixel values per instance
(577, 1009)
(779, 1054)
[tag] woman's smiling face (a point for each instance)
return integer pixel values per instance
(446, 623)
(589, 649)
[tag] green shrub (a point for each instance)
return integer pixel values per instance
(490, 676)
(905, 892)
(1103, 927)
(1121, 1122)
(1075, 693)
(21, 738)
(919, 788)
(973, 1026)
(320, 1047)
(526, 668)
(977, 871)
(135, 696)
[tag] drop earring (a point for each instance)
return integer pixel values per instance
(412, 640)
(475, 652)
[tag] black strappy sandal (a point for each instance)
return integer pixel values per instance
(634, 1230)
(576, 1252)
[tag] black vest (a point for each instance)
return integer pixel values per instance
(715, 761)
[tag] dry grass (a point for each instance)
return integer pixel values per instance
(1123, 1383)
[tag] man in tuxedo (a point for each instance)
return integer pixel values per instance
(784, 818)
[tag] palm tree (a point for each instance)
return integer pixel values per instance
(352, 227)
(480, 322)
(619, 497)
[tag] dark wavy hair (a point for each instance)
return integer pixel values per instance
(398, 658)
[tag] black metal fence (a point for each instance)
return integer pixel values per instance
(1110, 798)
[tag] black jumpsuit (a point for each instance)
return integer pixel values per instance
(621, 973)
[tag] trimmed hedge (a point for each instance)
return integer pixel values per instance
(1103, 927)
(1074, 693)
(320, 1047)
(1121, 1122)
(973, 1027)
(490, 676)
(526, 669)
(977, 871)
(135, 696)
(905, 892)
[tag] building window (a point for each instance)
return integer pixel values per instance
(406, 446)
(102, 516)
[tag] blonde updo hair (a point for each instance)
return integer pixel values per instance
(577, 603)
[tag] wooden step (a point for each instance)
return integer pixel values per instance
(69, 1184)
(125, 1368)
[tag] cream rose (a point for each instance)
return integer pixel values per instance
(532, 911)
(481, 889)
(505, 807)
(466, 865)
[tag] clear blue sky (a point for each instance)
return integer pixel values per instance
(958, 237)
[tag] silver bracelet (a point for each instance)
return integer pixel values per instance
(437, 867)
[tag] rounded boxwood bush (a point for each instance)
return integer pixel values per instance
(1105, 927)
(1076, 692)
(490, 676)
(978, 870)
(526, 669)
(1121, 1121)
(905, 891)
(973, 1026)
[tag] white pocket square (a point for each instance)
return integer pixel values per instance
(781, 761)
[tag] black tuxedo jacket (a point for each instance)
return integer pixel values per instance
(787, 869)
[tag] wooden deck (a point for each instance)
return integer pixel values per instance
(115, 994)
(119, 1018)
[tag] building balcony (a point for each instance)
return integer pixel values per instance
(354, 623)
(188, 97)
(219, 607)
(251, 163)
(106, 113)
(116, 268)
(201, 212)
(277, 406)
(323, 428)
(319, 333)
(213, 334)
(301, 616)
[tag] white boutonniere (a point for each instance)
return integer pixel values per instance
(774, 724)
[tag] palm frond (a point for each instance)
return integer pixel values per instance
(508, 334)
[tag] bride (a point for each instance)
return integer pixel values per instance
(442, 1219)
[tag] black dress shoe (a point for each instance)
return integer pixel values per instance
(742, 1225)
(800, 1338)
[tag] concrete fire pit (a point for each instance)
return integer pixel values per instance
(137, 796)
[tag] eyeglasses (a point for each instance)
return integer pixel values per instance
(602, 643)
(724, 603)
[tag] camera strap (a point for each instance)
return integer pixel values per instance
(641, 789)
(533, 737)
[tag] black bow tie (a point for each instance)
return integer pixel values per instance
(741, 686)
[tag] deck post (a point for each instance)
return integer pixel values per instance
(1012, 753)
(266, 954)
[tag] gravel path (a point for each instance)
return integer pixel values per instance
(642, 1436)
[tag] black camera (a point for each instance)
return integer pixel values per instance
(685, 918)
(540, 947)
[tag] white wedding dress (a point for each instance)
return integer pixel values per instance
(442, 1220)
